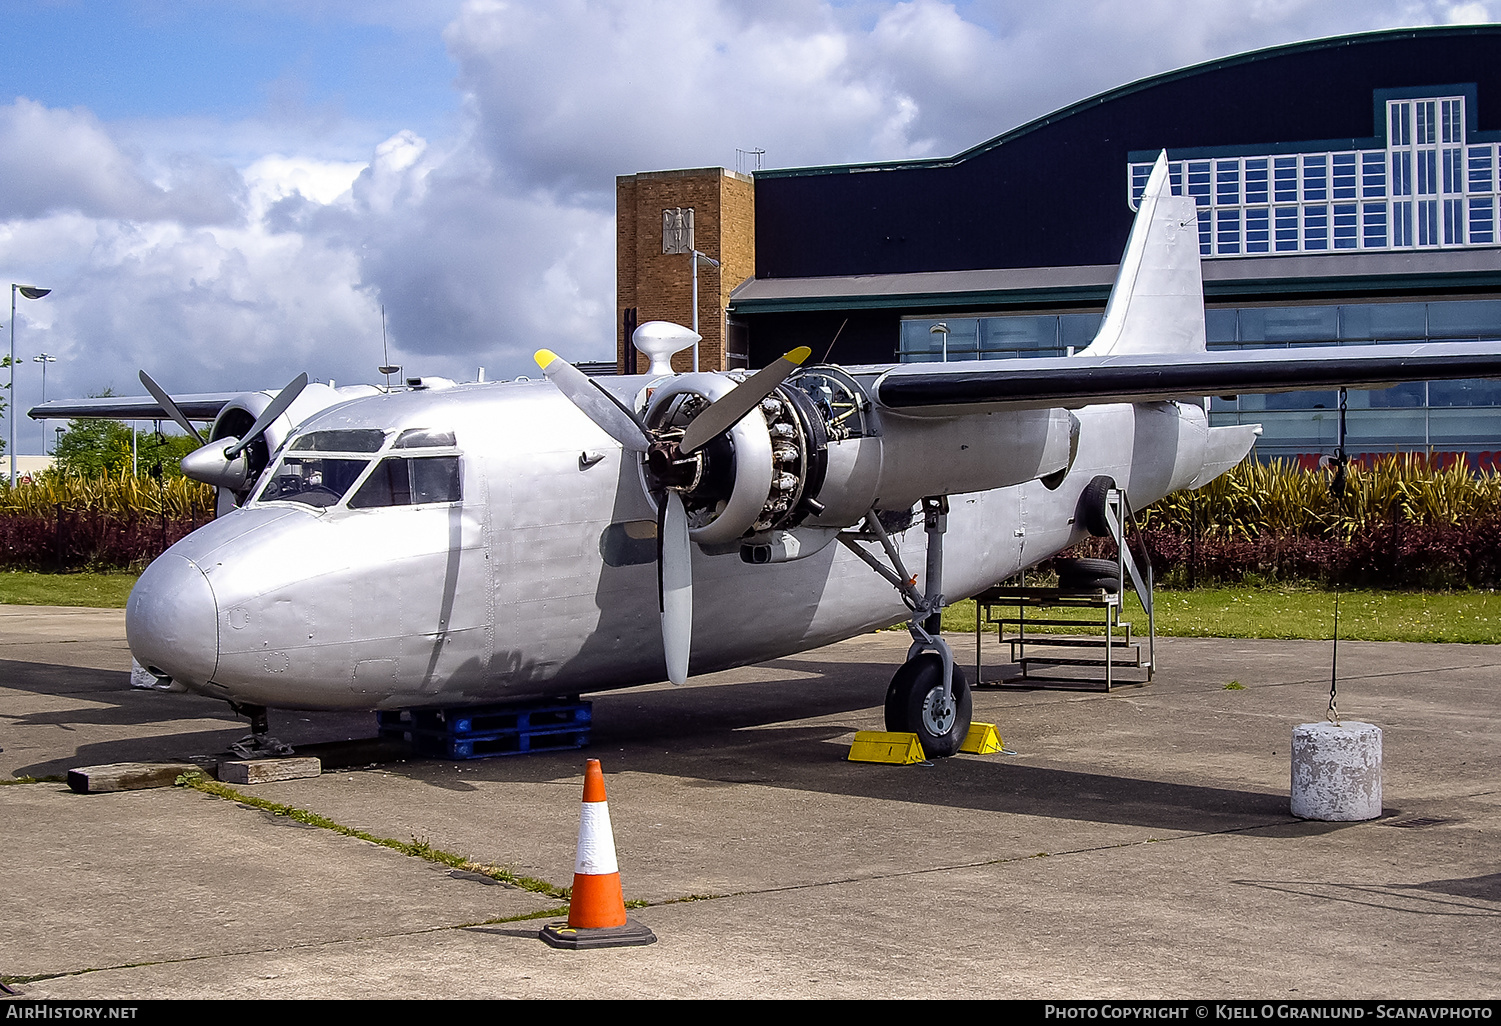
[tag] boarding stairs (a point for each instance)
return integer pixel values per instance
(1098, 643)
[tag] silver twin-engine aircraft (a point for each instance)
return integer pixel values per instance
(461, 544)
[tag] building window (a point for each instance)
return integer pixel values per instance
(677, 230)
(1428, 186)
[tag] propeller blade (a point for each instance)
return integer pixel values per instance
(675, 585)
(608, 413)
(286, 397)
(725, 412)
(173, 410)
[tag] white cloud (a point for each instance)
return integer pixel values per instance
(234, 254)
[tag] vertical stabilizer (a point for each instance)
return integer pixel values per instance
(1157, 303)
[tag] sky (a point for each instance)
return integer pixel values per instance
(227, 193)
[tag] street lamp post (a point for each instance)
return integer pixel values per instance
(695, 258)
(43, 359)
(30, 292)
(942, 328)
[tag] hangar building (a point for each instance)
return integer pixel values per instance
(1347, 192)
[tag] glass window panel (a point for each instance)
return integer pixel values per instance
(1405, 396)
(1316, 226)
(1227, 182)
(1139, 175)
(1375, 225)
(1402, 223)
(1289, 324)
(1285, 179)
(1258, 231)
(920, 343)
(1482, 224)
(1401, 174)
(1228, 235)
(1198, 181)
(1343, 167)
(1256, 180)
(1427, 211)
(1465, 318)
(1480, 392)
(1380, 322)
(1373, 175)
(1315, 178)
(1481, 164)
(1424, 122)
(345, 440)
(1023, 334)
(1078, 330)
(1287, 229)
(1401, 125)
(1204, 231)
(1219, 325)
(423, 438)
(1346, 228)
(1454, 178)
(1427, 161)
(436, 479)
(1454, 222)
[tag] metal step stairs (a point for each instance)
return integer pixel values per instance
(1107, 648)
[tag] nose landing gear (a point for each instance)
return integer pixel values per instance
(258, 744)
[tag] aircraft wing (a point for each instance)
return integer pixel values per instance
(204, 406)
(1141, 377)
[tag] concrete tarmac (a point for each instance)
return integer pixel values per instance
(1137, 845)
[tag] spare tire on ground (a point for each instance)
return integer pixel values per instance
(1088, 575)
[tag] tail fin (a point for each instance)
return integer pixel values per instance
(1157, 303)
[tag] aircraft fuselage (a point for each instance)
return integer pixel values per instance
(539, 579)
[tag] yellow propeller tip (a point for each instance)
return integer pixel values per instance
(799, 354)
(544, 357)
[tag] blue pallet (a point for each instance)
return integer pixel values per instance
(479, 732)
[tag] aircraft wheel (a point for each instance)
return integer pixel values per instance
(914, 703)
(1091, 509)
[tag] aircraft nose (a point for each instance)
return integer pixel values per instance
(172, 621)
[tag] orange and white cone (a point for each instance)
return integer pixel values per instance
(596, 910)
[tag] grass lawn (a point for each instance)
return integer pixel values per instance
(103, 591)
(1281, 611)
(1277, 611)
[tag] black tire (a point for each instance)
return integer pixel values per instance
(914, 690)
(1090, 513)
(1088, 574)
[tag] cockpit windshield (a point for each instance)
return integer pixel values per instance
(313, 480)
(320, 469)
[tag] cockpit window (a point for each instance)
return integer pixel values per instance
(423, 438)
(312, 480)
(408, 481)
(343, 440)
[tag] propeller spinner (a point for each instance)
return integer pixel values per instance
(674, 464)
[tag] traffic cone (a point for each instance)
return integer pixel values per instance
(596, 910)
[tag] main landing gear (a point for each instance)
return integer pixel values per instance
(929, 695)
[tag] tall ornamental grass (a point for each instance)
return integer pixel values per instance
(113, 521)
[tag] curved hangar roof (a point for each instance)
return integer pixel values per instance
(1053, 193)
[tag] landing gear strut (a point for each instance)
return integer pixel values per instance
(258, 744)
(928, 696)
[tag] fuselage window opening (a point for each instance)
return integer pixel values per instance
(410, 481)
